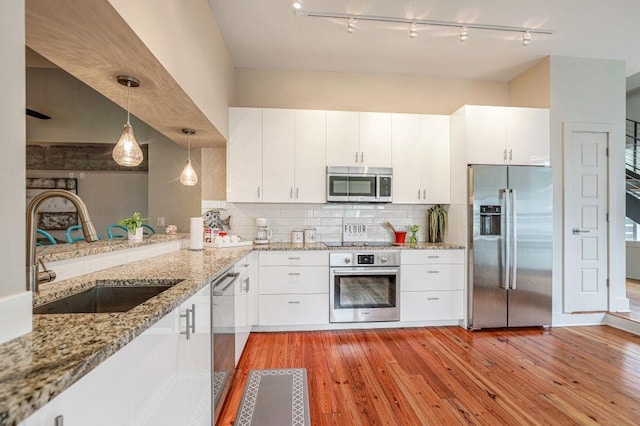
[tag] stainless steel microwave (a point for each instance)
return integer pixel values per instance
(359, 184)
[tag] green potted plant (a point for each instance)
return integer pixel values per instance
(413, 239)
(133, 225)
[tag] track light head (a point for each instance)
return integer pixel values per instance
(351, 26)
(526, 38)
(297, 4)
(464, 34)
(413, 30)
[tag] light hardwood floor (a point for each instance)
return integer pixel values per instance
(448, 375)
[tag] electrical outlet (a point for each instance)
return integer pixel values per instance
(160, 221)
(81, 175)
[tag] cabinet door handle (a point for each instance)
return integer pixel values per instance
(504, 155)
(193, 318)
(187, 317)
(424, 194)
(362, 157)
(291, 193)
(433, 272)
(58, 421)
(246, 285)
(418, 194)
(510, 155)
(294, 302)
(433, 298)
(294, 273)
(294, 258)
(258, 192)
(433, 257)
(297, 191)
(356, 156)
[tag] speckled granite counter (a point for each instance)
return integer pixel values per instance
(322, 246)
(61, 349)
(69, 251)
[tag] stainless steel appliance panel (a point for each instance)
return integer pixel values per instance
(531, 193)
(487, 292)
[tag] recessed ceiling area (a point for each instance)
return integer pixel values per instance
(269, 34)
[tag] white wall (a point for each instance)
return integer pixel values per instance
(15, 303)
(589, 91)
(184, 36)
(633, 105)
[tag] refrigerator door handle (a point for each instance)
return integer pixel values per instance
(506, 238)
(514, 239)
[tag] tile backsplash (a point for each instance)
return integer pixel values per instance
(326, 218)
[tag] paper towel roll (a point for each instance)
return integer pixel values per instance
(196, 241)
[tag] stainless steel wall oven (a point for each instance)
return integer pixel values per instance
(365, 286)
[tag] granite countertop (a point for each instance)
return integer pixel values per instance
(52, 253)
(61, 349)
(322, 246)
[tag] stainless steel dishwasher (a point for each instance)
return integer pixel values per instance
(222, 338)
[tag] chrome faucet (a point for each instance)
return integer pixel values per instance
(34, 278)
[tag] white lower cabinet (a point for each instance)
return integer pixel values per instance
(432, 285)
(244, 302)
(294, 288)
(159, 378)
(294, 309)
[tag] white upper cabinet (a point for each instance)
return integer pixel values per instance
(343, 138)
(310, 153)
(244, 155)
(506, 135)
(421, 171)
(375, 139)
(278, 140)
(435, 176)
(528, 136)
(406, 149)
(358, 139)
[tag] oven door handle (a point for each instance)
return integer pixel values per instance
(367, 272)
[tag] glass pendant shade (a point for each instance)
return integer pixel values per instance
(188, 176)
(127, 151)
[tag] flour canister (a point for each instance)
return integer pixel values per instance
(309, 235)
(297, 237)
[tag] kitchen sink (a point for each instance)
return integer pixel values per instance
(106, 297)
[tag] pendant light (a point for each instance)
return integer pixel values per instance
(127, 152)
(188, 177)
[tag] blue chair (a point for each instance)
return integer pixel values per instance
(47, 235)
(71, 239)
(118, 228)
(147, 229)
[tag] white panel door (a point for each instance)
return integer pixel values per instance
(585, 229)
(528, 136)
(278, 135)
(375, 139)
(486, 134)
(435, 159)
(244, 155)
(406, 148)
(343, 138)
(310, 156)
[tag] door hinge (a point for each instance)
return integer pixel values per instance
(606, 151)
(607, 217)
(607, 282)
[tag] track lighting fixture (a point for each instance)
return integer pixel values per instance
(297, 5)
(351, 26)
(464, 34)
(414, 23)
(127, 152)
(188, 177)
(413, 31)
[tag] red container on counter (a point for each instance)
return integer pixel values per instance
(400, 237)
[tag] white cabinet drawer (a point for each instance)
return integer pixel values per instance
(432, 277)
(419, 257)
(294, 309)
(294, 258)
(431, 305)
(294, 279)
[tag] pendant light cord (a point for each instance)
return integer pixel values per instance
(189, 147)
(128, 97)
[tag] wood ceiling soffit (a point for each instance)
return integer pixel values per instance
(91, 41)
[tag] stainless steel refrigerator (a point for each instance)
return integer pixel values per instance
(510, 246)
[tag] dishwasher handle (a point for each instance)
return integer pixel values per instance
(220, 286)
